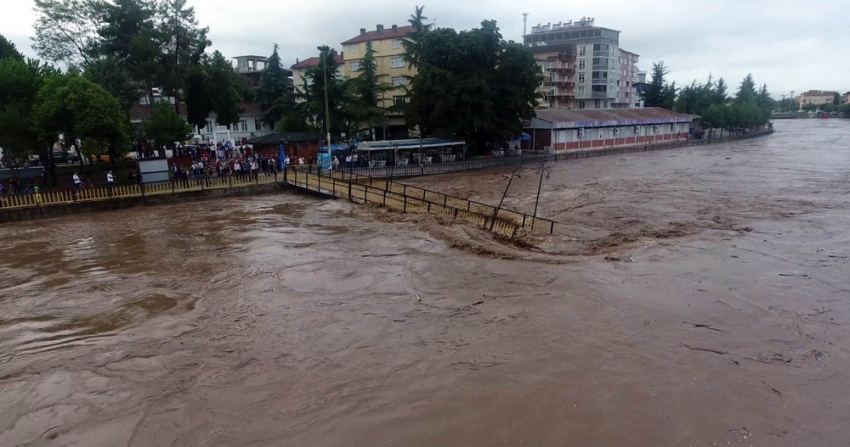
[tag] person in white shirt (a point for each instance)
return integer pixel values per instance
(77, 182)
(110, 180)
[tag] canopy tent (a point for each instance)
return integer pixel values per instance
(411, 144)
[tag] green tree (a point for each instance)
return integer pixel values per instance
(224, 90)
(166, 126)
(312, 93)
(197, 95)
(472, 85)
(659, 93)
(747, 91)
(20, 82)
(112, 76)
(66, 30)
(274, 96)
(715, 118)
(836, 100)
(764, 102)
(721, 92)
(9, 50)
(81, 110)
(128, 34)
(183, 43)
(412, 43)
(368, 89)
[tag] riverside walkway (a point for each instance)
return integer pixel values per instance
(363, 185)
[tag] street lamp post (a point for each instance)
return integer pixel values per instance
(325, 50)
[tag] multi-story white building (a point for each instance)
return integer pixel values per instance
(586, 60)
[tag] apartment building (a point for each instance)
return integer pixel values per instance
(816, 97)
(558, 65)
(846, 98)
(627, 94)
(301, 67)
(388, 44)
(598, 76)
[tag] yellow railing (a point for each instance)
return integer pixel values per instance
(48, 198)
(394, 197)
(416, 195)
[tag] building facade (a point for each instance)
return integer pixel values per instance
(598, 77)
(627, 96)
(388, 44)
(251, 68)
(816, 97)
(301, 67)
(558, 65)
(846, 98)
(558, 130)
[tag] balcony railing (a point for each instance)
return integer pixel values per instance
(562, 56)
(561, 84)
(564, 71)
(599, 94)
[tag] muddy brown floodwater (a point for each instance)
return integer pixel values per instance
(690, 297)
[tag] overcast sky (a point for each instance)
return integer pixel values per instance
(789, 44)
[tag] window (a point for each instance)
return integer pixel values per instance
(581, 90)
(398, 80)
(244, 125)
(600, 75)
(552, 76)
(672, 128)
(352, 48)
(599, 89)
(355, 66)
(582, 51)
(581, 104)
(396, 43)
(581, 65)
(581, 78)
(551, 65)
(600, 62)
(258, 125)
(397, 62)
(399, 100)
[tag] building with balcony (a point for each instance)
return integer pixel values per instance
(594, 56)
(388, 44)
(627, 96)
(557, 64)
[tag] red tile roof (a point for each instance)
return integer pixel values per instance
(313, 61)
(388, 33)
(570, 118)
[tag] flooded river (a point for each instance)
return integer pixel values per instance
(690, 297)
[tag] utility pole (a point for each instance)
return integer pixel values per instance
(524, 23)
(325, 52)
